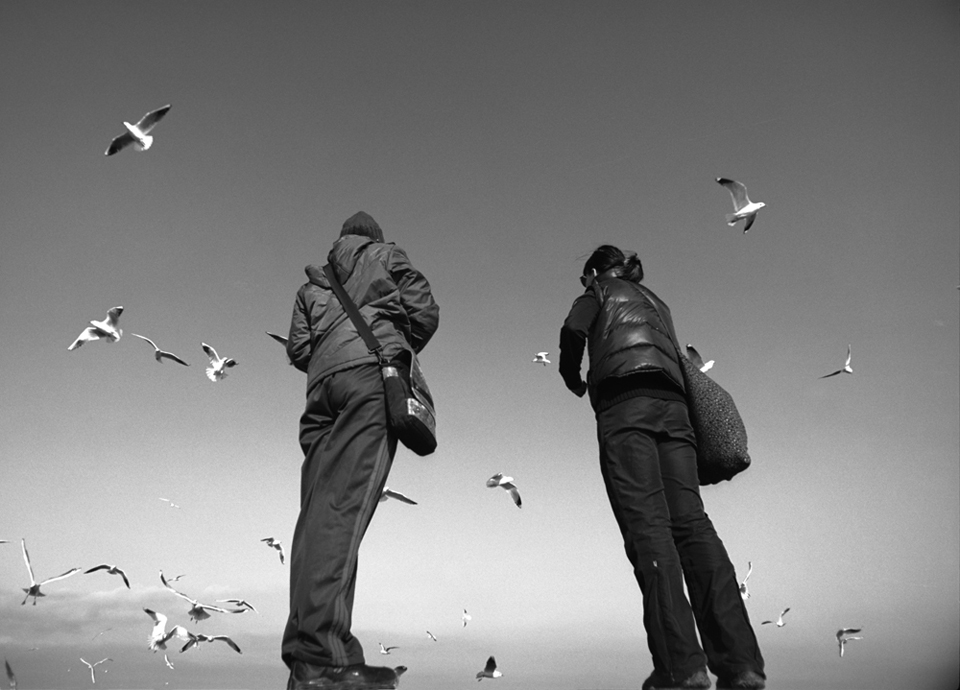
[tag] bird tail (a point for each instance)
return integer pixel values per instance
(732, 219)
(146, 143)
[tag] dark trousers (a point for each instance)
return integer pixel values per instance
(649, 466)
(348, 453)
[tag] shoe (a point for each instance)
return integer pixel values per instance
(304, 676)
(661, 681)
(745, 680)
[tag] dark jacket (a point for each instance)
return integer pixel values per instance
(393, 297)
(628, 331)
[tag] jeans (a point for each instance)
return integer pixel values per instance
(649, 464)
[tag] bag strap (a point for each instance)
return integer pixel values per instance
(363, 328)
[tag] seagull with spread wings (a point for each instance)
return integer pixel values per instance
(198, 611)
(844, 635)
(743, 208)
(541, 358)
(159, 636)
(218, 365)
(106, 329)
(159, 354)
(34, 589)
(112, 570)
(93, 677)
(138, 134)
(505, 483)
(194, 640)
(489, 671)
(779, 620)
(847, 369)
(274, 544)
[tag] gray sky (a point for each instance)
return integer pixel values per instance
(498, 143)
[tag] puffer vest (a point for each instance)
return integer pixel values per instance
(629, 336)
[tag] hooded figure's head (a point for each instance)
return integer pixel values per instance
(361, 223)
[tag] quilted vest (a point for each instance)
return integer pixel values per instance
(628, 335)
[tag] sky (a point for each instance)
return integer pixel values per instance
(498, 143)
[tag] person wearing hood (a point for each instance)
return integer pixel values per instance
(348, 448)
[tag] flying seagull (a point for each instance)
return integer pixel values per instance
(172, 505)
(198, 611)
(386, 650)
(744, 592)
(194, 640)
(847, 369)
(101, 329)
(10, 675)
(274, 544)
(138, 134)
(160, 354)
(431, 636)
(390, 493)
(93, 677)
(779, 620)
(742, 206)
(34, 589)
(218, 365)
(166, 660)
(541, 358)
(697, 360)
(112, 570)
(489, 671)
(844, 635)
(505, 483)
(466, 617)
(239, 602)
(159, 636)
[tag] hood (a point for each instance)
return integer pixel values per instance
(344, 255)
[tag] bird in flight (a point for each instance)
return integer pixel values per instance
(274, 544)
(744, 592)
(743, 208)
(386, 650)
(218, 365)
(159, 354)
(112, 570)
(172, 505)
(466, 617)
(239, 602)
(34, 589)
(159, 636)
(390, 493)
(697, 360)
(93, 676)
(198, 611)
(779, 620)
(505, 483)
(10, 675)
(541, 358)
(844, 635)
(489, 671)
(100, 329)
(138, 134)
(847, 369)
(431, 636)
(194, 640)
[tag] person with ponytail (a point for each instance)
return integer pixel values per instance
(648, 460)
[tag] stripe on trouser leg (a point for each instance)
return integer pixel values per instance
(342, 614)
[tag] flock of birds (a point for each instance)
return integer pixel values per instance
(138, 135)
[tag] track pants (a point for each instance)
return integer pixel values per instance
(348, 453)
(649, 466)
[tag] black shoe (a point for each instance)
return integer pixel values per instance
(304, 676)
(745, 680)
(661, 681)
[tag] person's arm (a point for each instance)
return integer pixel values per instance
(573, 340)
(298, 340)
(416, 299)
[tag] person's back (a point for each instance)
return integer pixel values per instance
(348, 448)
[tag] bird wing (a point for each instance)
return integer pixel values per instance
(26, 559)
(103, 566)
(149, 121)
(119, 143)
(170, 355)
(224, 638)
(62, 576)
(179, 594)
(749, 224)
(514, 492)
(849, 354)
(112, 316)
(399, 496)
(737, 190)
(838, 371)
(749, 570)
(89, 333)
(142, 337)
(491, 665)
(694, 356)
(279, 338)
(10, 675)
(211, 353)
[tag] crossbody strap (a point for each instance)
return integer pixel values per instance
(363, 328)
